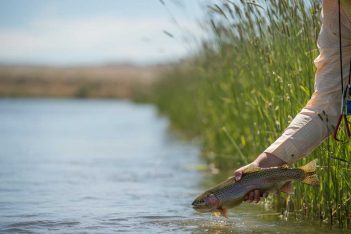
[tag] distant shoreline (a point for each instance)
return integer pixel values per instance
(106, 81)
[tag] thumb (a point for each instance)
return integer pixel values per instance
(237, 174)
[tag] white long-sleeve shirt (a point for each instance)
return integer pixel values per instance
(318, 118)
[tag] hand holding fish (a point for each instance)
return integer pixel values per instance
(232, 192)
(264, 160)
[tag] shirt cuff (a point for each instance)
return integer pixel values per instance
(284, 149)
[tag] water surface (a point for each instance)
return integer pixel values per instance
(103, 166)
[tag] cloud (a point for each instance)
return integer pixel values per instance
(97, 40)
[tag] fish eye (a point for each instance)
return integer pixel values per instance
(198, 201)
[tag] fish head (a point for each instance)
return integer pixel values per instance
(206, 202)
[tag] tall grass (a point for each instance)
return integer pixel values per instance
(248, 81)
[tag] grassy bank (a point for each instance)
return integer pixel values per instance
(104, 81)
(248, 81)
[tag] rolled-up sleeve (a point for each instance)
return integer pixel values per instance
(317, 120)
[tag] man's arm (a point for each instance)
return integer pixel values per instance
(317, 120)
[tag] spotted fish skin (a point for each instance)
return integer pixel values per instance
(231, 193)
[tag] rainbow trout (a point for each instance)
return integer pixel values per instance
(231, 193)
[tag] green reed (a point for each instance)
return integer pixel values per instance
(247, 82)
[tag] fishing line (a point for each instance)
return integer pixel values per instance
(340, 52)
(345, 108)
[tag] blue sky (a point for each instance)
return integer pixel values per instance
(66, 32)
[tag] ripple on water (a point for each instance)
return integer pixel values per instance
(197, 225)
(21, 216)
(106, 167)
(159, 217)
(41, 224)
(14, 230)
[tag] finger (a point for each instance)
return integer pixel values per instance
(257, 195)
(251, 196)
(237, 175)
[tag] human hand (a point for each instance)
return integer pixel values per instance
(254, 195)
(264, 160)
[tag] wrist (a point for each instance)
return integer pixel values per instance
(268, 160)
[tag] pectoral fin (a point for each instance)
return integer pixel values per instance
(221, 212)
(216, 213)
(224, 212)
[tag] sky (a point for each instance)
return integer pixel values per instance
(78, 32)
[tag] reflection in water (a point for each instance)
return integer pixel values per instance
(106, 166)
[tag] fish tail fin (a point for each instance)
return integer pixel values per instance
(310, 173)
(310, 167)
(311, 180)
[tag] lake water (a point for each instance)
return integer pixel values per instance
(105, 166)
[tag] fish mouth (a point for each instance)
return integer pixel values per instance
(206, 204)
(202, 209)
(200, 205)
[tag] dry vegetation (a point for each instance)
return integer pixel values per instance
(108, 81)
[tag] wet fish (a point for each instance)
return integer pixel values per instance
(231, 193)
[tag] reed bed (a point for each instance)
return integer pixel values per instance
(251, 76)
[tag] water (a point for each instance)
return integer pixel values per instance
(101, 166)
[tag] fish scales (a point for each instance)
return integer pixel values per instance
(231, 193)
(257, 178)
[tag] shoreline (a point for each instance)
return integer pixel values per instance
(105, 81)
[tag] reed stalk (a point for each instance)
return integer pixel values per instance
(247, 82)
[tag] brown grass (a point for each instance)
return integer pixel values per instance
(107, 81)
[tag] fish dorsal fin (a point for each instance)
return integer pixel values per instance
(310, 167)
(251, 168)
